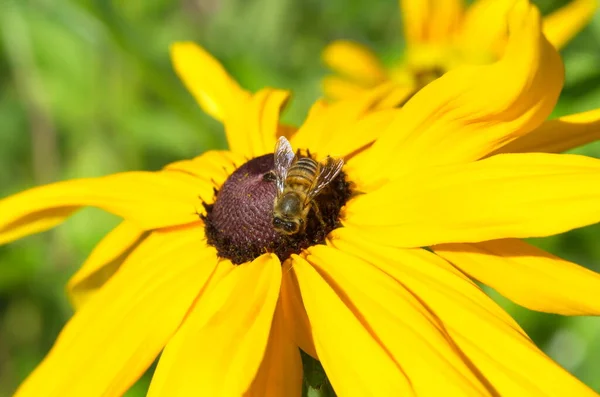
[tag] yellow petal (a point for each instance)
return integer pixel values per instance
(555, 136)
(216, 92)
(251, 121)
(484, 26)
(117, 334)
(363, 132)
(218, 349)
(400, 93)
(252, 129)
(294, 312)
(563, 24)
(430, 21)
(212, 167)
(407, 330)
(336, 88)
(13, 229)
(527, 275)
(345, 126)
(509, 195)
(471, 111)
(149, 200)
(280, 373)
(487, 337)
(103, 262)
(355, 62)
(287, 131)
(349, 353)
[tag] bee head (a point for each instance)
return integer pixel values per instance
(287, 226)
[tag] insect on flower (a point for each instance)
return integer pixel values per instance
(299, 180)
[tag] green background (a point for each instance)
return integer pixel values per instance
(87, 89)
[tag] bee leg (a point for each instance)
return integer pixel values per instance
(318, 214)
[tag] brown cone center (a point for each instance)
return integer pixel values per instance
(240, 222)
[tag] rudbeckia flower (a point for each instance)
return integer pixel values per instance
(380, 292)
(440, 36)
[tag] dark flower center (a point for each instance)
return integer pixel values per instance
(240, 222)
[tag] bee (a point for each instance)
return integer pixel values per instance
(299, 179)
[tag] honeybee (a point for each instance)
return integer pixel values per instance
(299, 180)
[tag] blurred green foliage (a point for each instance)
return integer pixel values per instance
(86, 89)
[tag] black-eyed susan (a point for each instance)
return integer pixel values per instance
(383, 315)
(440, 36)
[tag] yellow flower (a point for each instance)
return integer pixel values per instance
(383, 315)
(440, 36)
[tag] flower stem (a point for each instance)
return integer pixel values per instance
(316, 383)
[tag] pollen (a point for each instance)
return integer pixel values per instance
(239, 224)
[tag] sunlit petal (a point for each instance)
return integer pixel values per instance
(484, 333)
(212, 167)
(397, 96)
(342, 342)
(12, 229)
(117, 334)
(280, 373)
(563, 24)
(149, 200)
(103, 262)
(251, 121)
(286, 130)
(508, 195)
(528, 276)
(218, 349)
(471, 111)
(484, 25)
(559, 135)
(341, 128)
(336, 88)
(407, 331)
(216, 92)
(294, 312)
(252, 129)
(430, 21)
(355, 62)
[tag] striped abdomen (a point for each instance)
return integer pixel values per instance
(302, 174)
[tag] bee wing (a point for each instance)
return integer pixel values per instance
(284, 156)
(327, 173)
